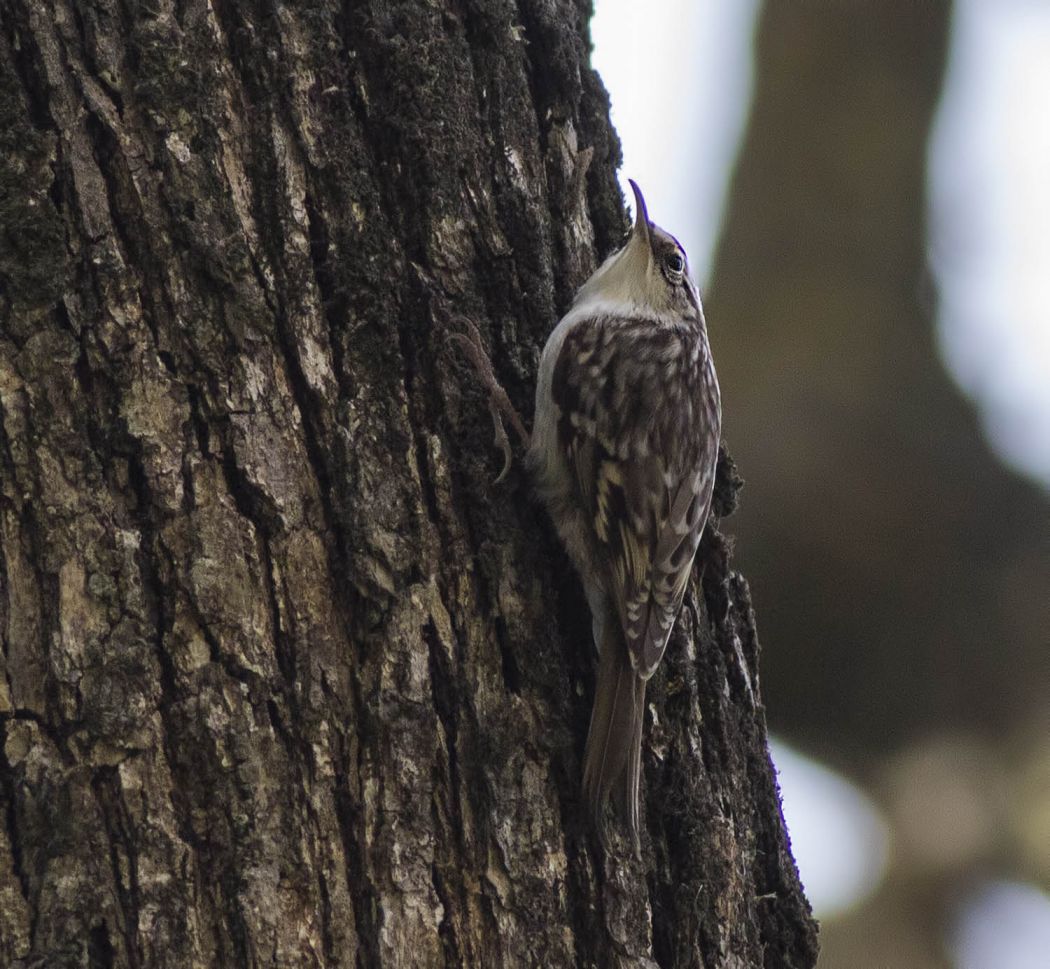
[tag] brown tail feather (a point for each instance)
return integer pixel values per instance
(614, 741)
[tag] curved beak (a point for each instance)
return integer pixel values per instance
(641, 214)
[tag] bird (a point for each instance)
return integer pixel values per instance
(623, 454)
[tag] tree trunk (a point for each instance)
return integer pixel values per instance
(287, 680)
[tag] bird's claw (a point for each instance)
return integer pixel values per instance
(500, 406)
(502, 441)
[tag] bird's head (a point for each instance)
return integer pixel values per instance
(650, 273)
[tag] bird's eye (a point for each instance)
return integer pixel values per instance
(675, 263)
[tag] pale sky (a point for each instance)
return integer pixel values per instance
(680, 125)
(990, 221)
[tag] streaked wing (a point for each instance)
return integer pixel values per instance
(651, 603)
(643, 470)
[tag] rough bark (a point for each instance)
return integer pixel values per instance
(285, 680)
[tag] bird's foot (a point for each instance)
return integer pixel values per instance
(500, 406)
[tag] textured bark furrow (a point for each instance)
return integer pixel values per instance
(287, 681)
